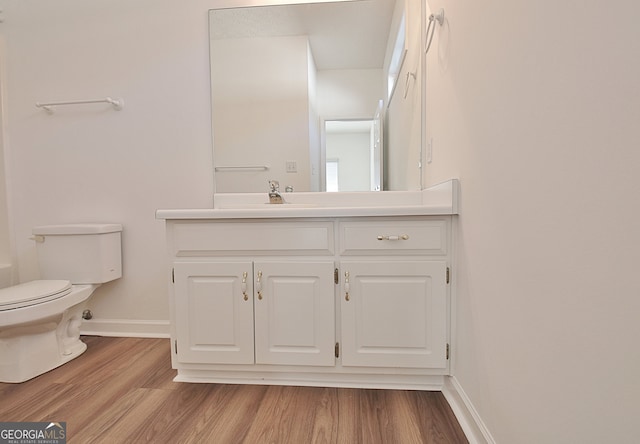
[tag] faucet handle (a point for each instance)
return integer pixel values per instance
(274, 185)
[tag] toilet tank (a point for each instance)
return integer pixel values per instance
(80, 253)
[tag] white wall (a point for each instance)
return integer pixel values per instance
(349, 93)
(535, 106)
(261, 111)
(86, 164)
(5, 244)
(353, 152)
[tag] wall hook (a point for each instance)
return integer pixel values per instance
(433, 18)
(439, 17)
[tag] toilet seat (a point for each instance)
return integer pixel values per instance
(33, 293)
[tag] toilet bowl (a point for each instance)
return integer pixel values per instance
(40, 320)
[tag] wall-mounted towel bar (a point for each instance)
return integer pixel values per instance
(117, 104)
(242, 168)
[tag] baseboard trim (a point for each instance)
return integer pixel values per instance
(472, 425)
(285, 376)
(133, 328)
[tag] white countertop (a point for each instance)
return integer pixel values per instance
(441, 199)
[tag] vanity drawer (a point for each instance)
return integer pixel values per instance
(408, 237)
(238, 238)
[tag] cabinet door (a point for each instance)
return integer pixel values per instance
(214, 318)
(395, 314)
(294, 313)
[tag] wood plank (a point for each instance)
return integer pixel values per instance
(285, 416)
(225, 416)
(348, 414)
(124, 421)
(404, 417)
(375, 417)
(326, 424)
(437, 422)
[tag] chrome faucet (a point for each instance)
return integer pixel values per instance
(274, 192)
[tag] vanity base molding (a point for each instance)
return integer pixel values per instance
(367, 381)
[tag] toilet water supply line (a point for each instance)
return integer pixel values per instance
(431, 27)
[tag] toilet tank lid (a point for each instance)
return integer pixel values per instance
(77, 229)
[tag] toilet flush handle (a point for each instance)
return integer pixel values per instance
(38, 238)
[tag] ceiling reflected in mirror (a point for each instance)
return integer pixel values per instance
(342, 35)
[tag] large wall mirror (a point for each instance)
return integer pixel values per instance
(318, 96)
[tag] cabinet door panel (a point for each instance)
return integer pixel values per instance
(213, 320)
(295, 317)
(395, 315)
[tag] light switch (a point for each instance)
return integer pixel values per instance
(291, 166)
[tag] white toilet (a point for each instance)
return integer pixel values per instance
(40, 320)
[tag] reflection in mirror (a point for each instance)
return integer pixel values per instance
(284, 78)
(349, 152)
(352, 153)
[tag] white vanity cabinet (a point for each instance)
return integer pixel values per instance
(394, 293)
(247, 292)
(330, 301)
(263, 312)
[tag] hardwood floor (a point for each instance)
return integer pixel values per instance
(121, 391)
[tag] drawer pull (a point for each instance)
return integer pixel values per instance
(347, 286)
(394, 238)
(259, 285)
(244, 286)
